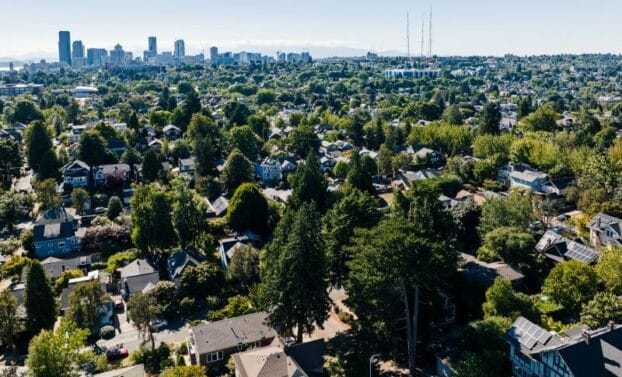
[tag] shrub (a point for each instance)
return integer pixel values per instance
(187, 305)
(106, 240)
(107, 332)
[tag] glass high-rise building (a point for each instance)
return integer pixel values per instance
(153, 45)
(77, 50)
(180, 49)
(64, 47)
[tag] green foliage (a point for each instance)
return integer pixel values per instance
(543, 119)
(361, 170)
(38, 140)
(63, 280)
(8, 319)
(490, 119)
(248, 209)
(93, 149)
(485, 339)
(39, 300)
(355, 209)
(295, 267)
(165, 295)
(189, 213)
(236, 306)
(152, 225)
(512, 245)
(15, 265)
(513, 211)
(143, 310)
(184, 371)
(151, 166)
(489, 145)
(244, 266)
(244, 139)
(155, 359)
(202, 280)
(26, 112)
(56, 354)
(308, 183)
(503, 301)
(79, 196)
(10, 161)
(115, 207)
(609, 269)
(238, 169)
(303, 141)
(602, 309)
(85, 302)
(571, 284)
(443, 138)
(46, 194)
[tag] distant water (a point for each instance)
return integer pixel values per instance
(6, 68)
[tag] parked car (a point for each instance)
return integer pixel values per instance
(100, 210)
(117, 352)
(159, 324)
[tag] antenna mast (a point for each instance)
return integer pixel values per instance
(407, 36)
(430, 34)
(422, 33)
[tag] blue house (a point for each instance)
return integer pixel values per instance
(54, 233)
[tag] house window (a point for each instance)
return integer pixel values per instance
(61, 244)
(214, 356)
(50, 244)
(609, 233)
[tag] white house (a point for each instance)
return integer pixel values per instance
(605, 230)
(269, 171)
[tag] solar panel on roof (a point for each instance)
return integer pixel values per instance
(581, 253)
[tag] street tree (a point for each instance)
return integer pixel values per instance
(79, 197)
(143, 310)
(85, 301)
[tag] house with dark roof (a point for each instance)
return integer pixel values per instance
(211, 344)
(578, 352)
(76, 173)
(54, 233)
(559, 249)
(228, 246)
(178, 262)
(171, 132)
(605, 230)
(137, 276)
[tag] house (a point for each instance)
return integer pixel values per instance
(309, 356)
(187, 166)
(559, 249)
(211, 344)
(605, 230)
(111, 173)
(54, 233)
(171, 132)
(407, 179)
(267, 361)
(228, 246)
(578, 352)
(524, 176)
(287, 167)
(218, 207)
(269, 171)
(475, 270)
(76, 132)
(178, 262)
(155, 144)
(133, 371)
(116, 145)
(76, 173)
(137, 276)
(54, 267)
(425, 155)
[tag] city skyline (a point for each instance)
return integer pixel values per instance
(324, 28)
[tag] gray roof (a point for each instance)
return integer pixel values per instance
(530, 337)
(602, 221)
(178, 262)
(560, 248)
(219, 205)
(136, 268)
(54, 267)
(228, 333)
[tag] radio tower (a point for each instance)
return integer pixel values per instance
(407, 36)
(422, 33)
(430, 34)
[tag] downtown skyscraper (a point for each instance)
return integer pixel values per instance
(64, 47)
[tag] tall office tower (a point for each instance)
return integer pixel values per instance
(117, 55)
(213, 54)
(64, 47)
(96, 56)
(153, 45)
(77, 50)
(180, 49)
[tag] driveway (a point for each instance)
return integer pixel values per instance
(176, 332)
(333, 325)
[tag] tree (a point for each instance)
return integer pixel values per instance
(503, 301)
(238, 169)
(236, 306)
(191, 106)
(603, 308)
(10, 161)
(248, 209)
(79, 196)
(93, 149)
(484, 340)
(202, 280)
(512, 245)
(360, 174)
(205, 157)
(8, 318)
(165, 294)
(38, 140)
(355, 209)
(609, 270)
(244, 266)
(472, 365)
(27, 112)
(265, 97)
(260, 125)
(236, 112)
(514, 211)
(115, 207)
(189, 213)
(48, 166)
(543, 119)
(184, 371)
(571, 284)
(452, 115)
(39, 300)
(309, 184)
(303, 141)
(46, 194)
(490, 119)
(151, 166)
(56, 354)
(143, 310)
(14, 206)
(294, 273)
(85, 302)
(152, 225)
(244, 139)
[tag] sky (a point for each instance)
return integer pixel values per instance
(29, 28)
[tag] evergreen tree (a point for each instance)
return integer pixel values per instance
(38, 139)
(151, 166)
(152, 226)
(294, 274)
(238, 169)
(115, 207)
(490, 119)
(39, 300)
(189, 213)
(308, 183)
(248, 209)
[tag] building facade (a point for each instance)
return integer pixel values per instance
(64, 47)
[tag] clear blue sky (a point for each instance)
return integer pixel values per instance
(461, 27)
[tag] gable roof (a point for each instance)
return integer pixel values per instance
(309, 356)
(75, 168)
(602, 221)
(136, 268)
(530, 337)
(179, 261)
(560, 248)
(229, 333)
(54, 267)
(266, 362)
(594, 353)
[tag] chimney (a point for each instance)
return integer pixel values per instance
(585, 335)
(611, 325)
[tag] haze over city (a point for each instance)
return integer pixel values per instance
(324, 28)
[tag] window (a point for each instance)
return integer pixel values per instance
(50, 244)
(61, 244)
(214, 356)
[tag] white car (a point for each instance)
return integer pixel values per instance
(159, 324)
